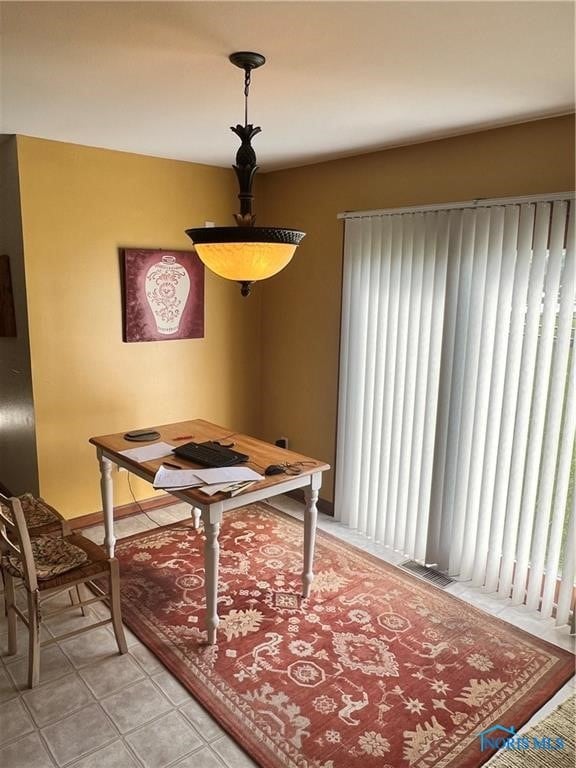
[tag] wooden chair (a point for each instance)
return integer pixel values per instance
(41, 518)
(49, 564)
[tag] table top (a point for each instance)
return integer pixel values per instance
(261, 454)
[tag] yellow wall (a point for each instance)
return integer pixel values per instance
(301, 306)
(79, 206)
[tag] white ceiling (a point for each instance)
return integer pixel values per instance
(341, 77)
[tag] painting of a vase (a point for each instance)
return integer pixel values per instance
(167, 292)
(163, 295)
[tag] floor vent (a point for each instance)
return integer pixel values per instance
(437, 578)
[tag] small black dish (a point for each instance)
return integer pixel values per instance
(142, 435)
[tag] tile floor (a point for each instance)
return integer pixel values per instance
(95, 709)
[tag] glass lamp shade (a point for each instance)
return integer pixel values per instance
(245, 254)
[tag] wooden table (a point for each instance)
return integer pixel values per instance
(212, 508)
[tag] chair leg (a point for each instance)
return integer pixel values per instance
(115, 606)
(4, 588)
(10, 601)
(33, 640)
(75, 598)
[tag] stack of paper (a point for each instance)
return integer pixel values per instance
(230, 480)
(175, 479)
(233, 489)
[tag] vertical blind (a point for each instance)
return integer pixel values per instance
(392, 318)
(457, 409)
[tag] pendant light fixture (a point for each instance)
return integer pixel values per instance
(245, 253)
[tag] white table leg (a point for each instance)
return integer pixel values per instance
(107, 490)
(196, 514)
(310, 517)
(212, 518)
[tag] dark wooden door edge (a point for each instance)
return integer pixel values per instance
(5, 491)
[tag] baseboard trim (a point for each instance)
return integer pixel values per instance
(126, 510)
(325, 506)
(96, 518)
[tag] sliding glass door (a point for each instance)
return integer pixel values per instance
(456, 403)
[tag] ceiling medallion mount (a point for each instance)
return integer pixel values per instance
(247, 59)
(245, 253)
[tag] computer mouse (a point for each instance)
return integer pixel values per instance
(274, 469)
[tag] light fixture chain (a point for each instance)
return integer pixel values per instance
(246, 92)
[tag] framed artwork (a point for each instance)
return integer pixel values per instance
(162, 295)
(7, 316)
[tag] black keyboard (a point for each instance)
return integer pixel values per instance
(209, 454)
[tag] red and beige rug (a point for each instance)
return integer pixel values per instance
(377, 669)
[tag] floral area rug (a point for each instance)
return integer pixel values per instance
(376, 669)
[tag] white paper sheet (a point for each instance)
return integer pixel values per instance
(226, 475)
(176, 479)
(148, 452)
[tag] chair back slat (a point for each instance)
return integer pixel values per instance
(15, 524)
(8, 542)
